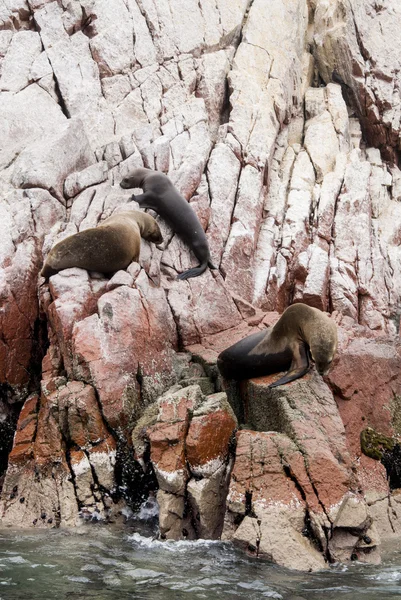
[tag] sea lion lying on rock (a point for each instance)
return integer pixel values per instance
(161, 196)
(302, 333)
(110, 246)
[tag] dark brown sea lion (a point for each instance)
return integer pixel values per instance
(110, 246)
(302, 333)
(161, 196)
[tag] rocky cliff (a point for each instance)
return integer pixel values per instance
(279, 122)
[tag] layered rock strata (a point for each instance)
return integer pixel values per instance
(275, 120)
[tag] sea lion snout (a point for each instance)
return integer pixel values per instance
(125, 183)
(323, 369)
(156, 238)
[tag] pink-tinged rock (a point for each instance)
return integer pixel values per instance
(200, 202)
(75, 297)
(189, 439)
(133, 332)
(202, 306)
(27, 116)
(249, 312)
(207, 441)
(213, 69)
(25, 217)
(323, 157)
(329, 192)
(258, 471)
(316, 286)
(80, 417)
(39, 488)
(40, 491)
(352, 267)
(21, 53)
(120, 278)
(306, 411)
(80, 180)
(366, 380)
(268, 499)
(167, 438)
(213, 344)
(238, 258)
(22, 450)
(342, 41)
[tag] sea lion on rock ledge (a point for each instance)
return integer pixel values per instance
(161, 196)
(302, 333)
(110, 246)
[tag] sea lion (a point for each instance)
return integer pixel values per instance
(110, 246)
(302, 333)
(161, 196)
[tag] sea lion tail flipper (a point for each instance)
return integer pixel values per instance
(211, 265)
(195, 272)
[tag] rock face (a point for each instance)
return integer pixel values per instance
(188, 442)
(279, 122)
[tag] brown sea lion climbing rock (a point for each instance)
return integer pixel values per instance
(160, 195)
(110, 246)
(302, 333)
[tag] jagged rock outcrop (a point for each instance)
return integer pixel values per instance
(187, 438)
(275, 120)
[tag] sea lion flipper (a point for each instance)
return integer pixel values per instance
(290, 376)
(145, 200)
(193, 272)
(299, 367)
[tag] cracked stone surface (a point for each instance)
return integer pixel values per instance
(280, 123)
(188, 435)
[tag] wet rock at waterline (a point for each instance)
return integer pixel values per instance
(275, 121)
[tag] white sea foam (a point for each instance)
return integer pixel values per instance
(77, 579)
(144, 574)
(171, 545)
(386, 576)
(148, 510)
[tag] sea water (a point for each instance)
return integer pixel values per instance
(98, 562)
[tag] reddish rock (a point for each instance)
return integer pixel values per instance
(66, 420)
(167, 438)
(265, 506)
(366, 381)
(208, 439)
(26, 426)
(306, 411)
(79, 415)
(20, 260)
(131, 334)
(258, 471)
(201, 307)
(188, 435)
(70, 306)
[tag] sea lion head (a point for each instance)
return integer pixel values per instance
(126, 183)
(136, 178)
(153, 234)
(323, 344)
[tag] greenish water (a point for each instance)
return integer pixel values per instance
(96, 562)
